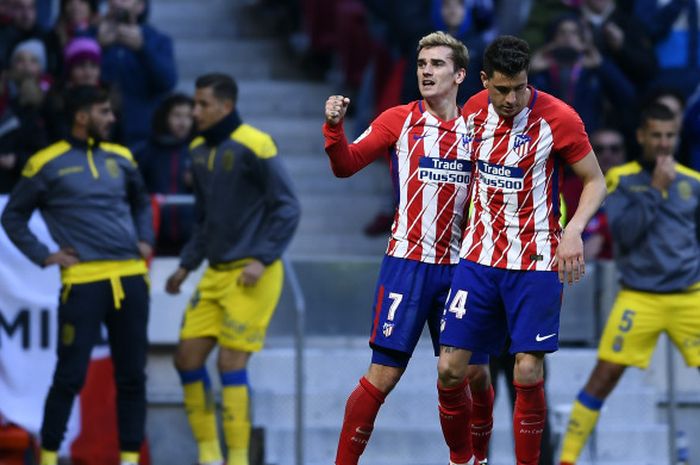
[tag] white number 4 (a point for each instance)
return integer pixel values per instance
(396, 300)
(458, 304)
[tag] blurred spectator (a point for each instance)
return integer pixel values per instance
(25, 27)
(44, 13)
(166, 167)
(609, 146)
(673, 27)
(571, 67)
(82, 57)
(691, 131)
(512, 15)
(139, 61)
(28, 63)
(470, 21)
(622, 38)
(8, 33)
(541, 14)
(27, 86)
(76, 18)
(11, 157)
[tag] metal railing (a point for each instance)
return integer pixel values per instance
(299, 342)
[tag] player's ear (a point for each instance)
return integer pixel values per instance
(460, 75)
(484, 79)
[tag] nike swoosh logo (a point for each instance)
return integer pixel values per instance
(361, 431)
(418, 137)
(530, 423)
(539, 338)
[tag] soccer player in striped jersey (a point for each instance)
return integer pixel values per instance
(431, 172)
(514, 256)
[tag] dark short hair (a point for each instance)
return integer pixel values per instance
(655, 111)
(508, 55)
(656, 93)
(223, 86)
(81, 98)
(159, 123)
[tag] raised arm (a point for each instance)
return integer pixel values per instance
(347, 159)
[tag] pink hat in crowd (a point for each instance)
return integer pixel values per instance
(82, 49)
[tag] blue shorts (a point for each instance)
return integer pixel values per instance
(487, 304)
(409, 295)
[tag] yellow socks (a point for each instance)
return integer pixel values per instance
(201, 413)
(129, 457)
(584, 417)
(48, 457)
(236, 416)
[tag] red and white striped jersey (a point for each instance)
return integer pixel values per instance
(517, 180)
(430, 170)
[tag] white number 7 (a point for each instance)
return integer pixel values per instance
(396, 300)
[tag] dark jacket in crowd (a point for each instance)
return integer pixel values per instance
(636, 58)
(142, 78)
(588, 90)
(167, 169)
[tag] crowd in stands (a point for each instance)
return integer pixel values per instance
(606, 58)
(91, 42)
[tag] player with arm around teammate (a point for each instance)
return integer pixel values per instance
(514, 256)
(431, 174)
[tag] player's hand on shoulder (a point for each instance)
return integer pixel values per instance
(172, 285)
(64, 258)
(336, 106)
(570, 260)
(251, 273)
(664, 172)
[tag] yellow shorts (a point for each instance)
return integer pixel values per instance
(636, 320)
(236, 316)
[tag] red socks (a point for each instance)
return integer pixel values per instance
(528, 422)
(482, 421)
(360, 411)
(455, 407)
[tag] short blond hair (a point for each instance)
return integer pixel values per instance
(460, 53)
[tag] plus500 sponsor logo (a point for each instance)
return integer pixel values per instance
(449, 171)
(506, 178)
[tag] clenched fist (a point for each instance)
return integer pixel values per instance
(336, 106)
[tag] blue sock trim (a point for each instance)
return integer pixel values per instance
(234, 378)
(192, 376)
(589, 401)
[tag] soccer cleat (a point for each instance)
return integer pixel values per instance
(483, 462)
